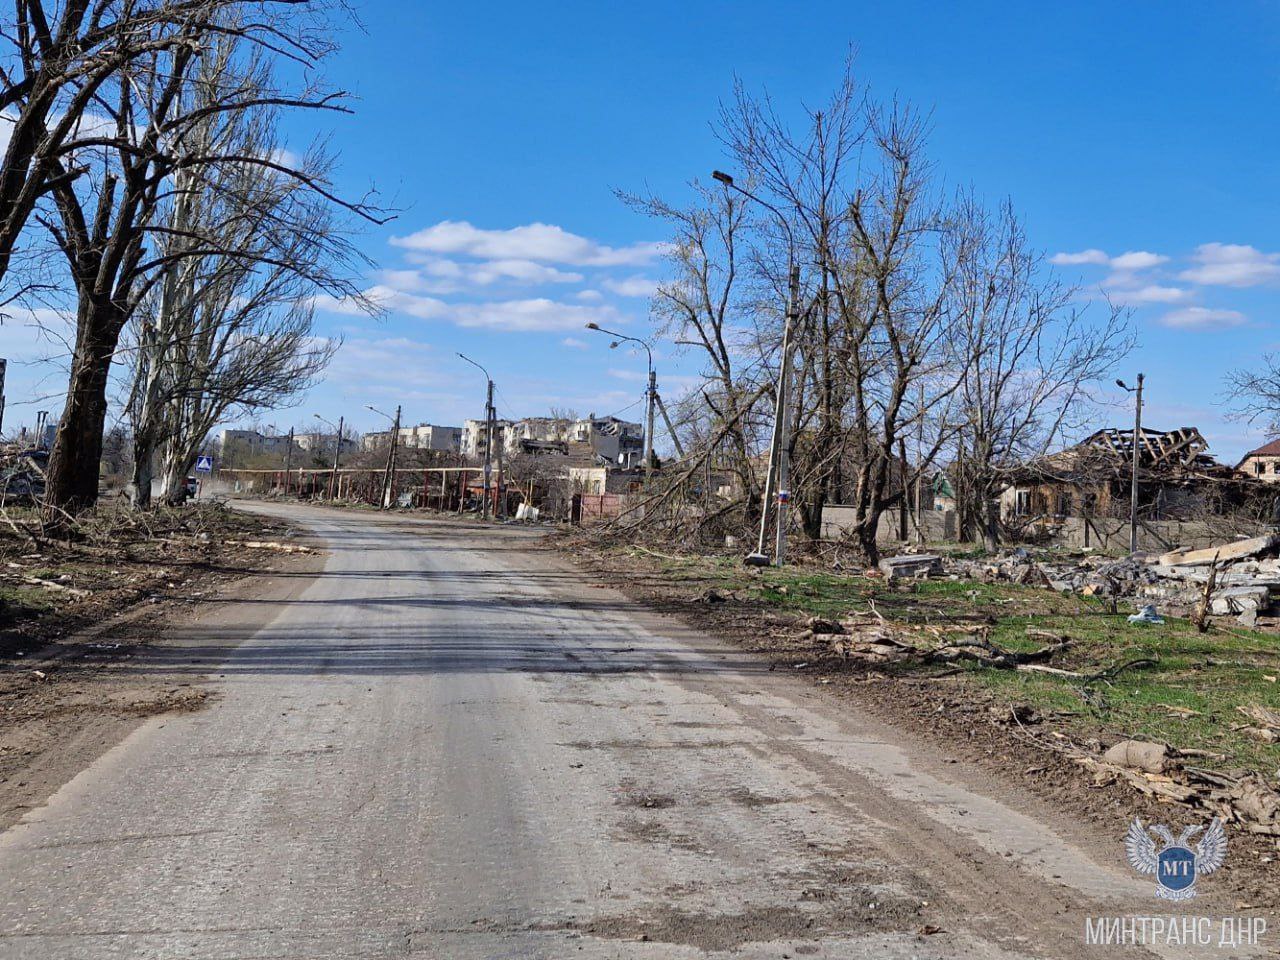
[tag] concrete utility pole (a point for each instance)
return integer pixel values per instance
(779, 462)
(1137, 449)
(920, 471)
(489, 425)
(337, 454)
(389, 474)
(500, 499)
(651, 394)
(666, 418)
(288, 461)
(784, 414)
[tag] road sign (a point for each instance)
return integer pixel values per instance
(204, 464)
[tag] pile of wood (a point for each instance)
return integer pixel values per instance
(870, 639)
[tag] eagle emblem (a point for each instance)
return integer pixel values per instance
(1175, 865)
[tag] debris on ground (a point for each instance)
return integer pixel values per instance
(911, 566)
(1239, 578)
(1147, 614)
(1160, 771)
(270, 545)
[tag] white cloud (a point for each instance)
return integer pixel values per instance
(589, 296)
(631, 376)
(441, 275)
(1232, 265)
(524, 316)
(1125, 263)
(1076, 259)
(541, 242)
(1202, 318)
(573, 343)
(1137, 260)
(636, 286)
(1151, 293)
(393, 301)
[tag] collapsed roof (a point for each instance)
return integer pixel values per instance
(1172, 455)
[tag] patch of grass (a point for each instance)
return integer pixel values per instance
(1188, 697)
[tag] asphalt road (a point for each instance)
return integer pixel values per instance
(450, 746)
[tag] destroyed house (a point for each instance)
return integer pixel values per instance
(1177, 479)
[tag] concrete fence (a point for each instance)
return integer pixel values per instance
(1103, 534)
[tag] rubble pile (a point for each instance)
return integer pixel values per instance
(1246, 575)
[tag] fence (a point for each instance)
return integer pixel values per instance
(591, 508)
(1104, 534)
(442, 488)
(938, 525)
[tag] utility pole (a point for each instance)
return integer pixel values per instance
(288, 461)
(666, 418)
(4, 366)
(779, 462)
(1137, 450)
(337, 455)
(784, 415)
(651, 395)
(648, 423)
(500, 504)
(920, 471)
(489, 430)
(389, 475)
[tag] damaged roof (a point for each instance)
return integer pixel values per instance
(1178, 455)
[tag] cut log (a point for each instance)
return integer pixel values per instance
(1239, 550)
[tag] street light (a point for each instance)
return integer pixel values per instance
(489, 430)
(1137, 440)
(389, 475)
(779, 462)
(650, 394)
(337, 452)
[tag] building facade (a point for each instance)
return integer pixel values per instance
(424, 436)
(1264, 463)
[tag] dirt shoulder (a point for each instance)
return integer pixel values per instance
(92, 634)
(1000, 725)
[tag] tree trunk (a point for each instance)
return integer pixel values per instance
(990, 512)
(74, 464)
(144, 452)
(177, 463)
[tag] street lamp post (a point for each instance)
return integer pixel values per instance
(488, 443)
(337, 454)
(389, 474)
(1137, 447)
(650, 394)
(779, 461)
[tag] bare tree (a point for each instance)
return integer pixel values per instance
(1255, 394)
(1028, 359)
(807, 176)
(229, 324)
(702, 308)
(64, 56)
(106, 219)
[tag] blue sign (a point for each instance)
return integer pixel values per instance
(204, 464)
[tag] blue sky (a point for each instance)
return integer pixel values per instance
(1121, 128)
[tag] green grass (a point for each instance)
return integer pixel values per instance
(1206, 675)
